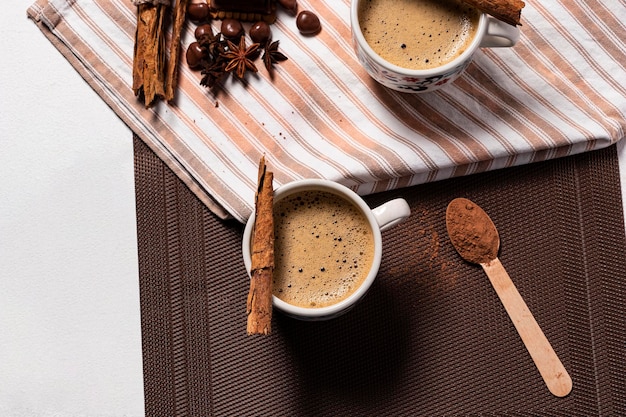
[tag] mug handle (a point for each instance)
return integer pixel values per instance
(391, 213)
(499, 34)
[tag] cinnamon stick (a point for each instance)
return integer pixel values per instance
(259, 303)
(171, 78)
(149, 53)
(508, 11)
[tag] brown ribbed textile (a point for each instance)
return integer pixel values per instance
(431, 337)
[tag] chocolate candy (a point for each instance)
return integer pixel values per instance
(308, 23)
(240, 7)
(198, 11)
(203, 31)
(291, 6)
(260, 32)
(232, 28)
(194, 55)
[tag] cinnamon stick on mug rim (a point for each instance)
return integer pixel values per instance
(259, 302)
(508, 11)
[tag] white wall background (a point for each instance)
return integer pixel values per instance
(70, 335)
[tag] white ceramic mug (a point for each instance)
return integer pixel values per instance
(380, 218)
(490, 33)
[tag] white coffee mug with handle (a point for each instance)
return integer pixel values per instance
(381, 218)
(491, 33)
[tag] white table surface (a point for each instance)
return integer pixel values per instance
(70, 334)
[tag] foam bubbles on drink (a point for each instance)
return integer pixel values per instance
(418, 34)
(323, 249)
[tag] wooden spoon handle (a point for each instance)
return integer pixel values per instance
(550, 367)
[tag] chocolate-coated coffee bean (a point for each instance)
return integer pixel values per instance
(291, 6)
(260, 32)
(194, 55)
(203, 31)
(198, 11)
(308, 23)
(231, 28)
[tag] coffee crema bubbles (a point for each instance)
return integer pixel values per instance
(324, 249)
(418, 34)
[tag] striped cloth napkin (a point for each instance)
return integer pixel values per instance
(561, 90)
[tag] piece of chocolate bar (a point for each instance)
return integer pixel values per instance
(244, 10)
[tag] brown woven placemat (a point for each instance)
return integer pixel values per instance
(431, 337)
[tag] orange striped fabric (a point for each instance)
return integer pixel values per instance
(561, 90)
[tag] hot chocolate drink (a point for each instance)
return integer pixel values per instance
(324, 249)
(418, 34)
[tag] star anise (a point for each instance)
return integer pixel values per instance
(215, 46)
(271, 55)
(240, 57)
(213, 63)
(213, 73)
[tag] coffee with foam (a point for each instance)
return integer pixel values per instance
(418, 34)
(324, 249)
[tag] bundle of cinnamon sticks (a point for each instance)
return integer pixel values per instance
(154, 76)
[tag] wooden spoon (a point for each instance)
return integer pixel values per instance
(476, 239)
